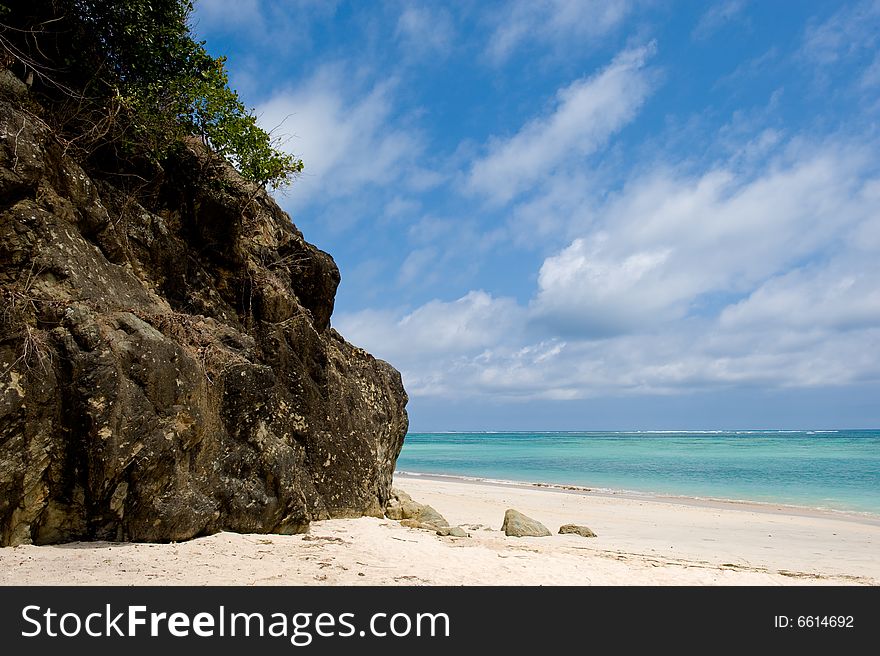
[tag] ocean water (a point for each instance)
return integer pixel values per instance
(837, 470)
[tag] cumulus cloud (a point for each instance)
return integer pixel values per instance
(785, 254)
(665, 241)
(502, 364)
(585, 115)
(553, 22)
(842, 296)
(583, 291)
(693, 357)
(428, 343)
(346, 139)
(468, 324)
(757, 270)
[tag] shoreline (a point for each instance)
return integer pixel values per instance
(636, 495)
(641, 540)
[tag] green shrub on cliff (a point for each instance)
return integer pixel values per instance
(127, 80)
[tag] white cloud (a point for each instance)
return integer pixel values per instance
(557, 23)
(284, 25)
(454, 350)
(871, 76)
(436, 331)
(474, 321)
(548, 216)
(842, 296)
(425, 30)
(666, 240)
(717, 16)
(414, 266)
(401, 207)
(584, 291)
(347, 141)
(787, 254)
(851, 29)
(586, 114)
(229, 14)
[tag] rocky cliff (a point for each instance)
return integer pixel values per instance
(167, 368)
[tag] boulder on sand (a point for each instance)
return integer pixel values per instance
(401, 506)
(167, 365)
(518, 525)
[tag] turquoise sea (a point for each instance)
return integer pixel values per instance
(837, 470)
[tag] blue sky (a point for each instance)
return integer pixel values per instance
(572, 215)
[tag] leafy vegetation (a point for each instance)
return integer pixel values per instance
(129, 79)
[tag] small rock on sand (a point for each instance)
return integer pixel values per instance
(518, 525)
(583, 531)
(453, 531)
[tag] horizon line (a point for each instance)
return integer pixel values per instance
(645, 430)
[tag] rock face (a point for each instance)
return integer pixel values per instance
(518, 525)
(575, 529)
(170, 371)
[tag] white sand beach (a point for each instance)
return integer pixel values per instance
(641, 541)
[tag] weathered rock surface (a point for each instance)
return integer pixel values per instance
(170, 371)
(576, 529)
(453, 531)
(518, 525)
(400, 506)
